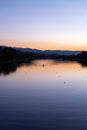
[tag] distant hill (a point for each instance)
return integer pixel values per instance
(48, 52)
(14, 54)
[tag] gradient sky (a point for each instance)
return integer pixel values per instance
(44, 24)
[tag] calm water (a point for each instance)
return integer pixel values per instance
(43, 95)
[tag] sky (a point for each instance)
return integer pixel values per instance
(44, 24)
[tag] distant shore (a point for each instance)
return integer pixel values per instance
(11, 54)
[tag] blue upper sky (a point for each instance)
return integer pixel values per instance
(44, 21)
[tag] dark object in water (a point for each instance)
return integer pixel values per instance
(43, 65)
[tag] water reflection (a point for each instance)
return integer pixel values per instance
(83, 63)
(7, 68)
(43, 95)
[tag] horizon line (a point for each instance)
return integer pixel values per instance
(41, 49)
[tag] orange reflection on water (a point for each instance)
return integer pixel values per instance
(48, 67)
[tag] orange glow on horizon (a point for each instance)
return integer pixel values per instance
(45, 46)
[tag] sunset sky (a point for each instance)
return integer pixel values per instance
(44, 24)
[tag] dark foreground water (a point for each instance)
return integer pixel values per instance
(43, 95)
